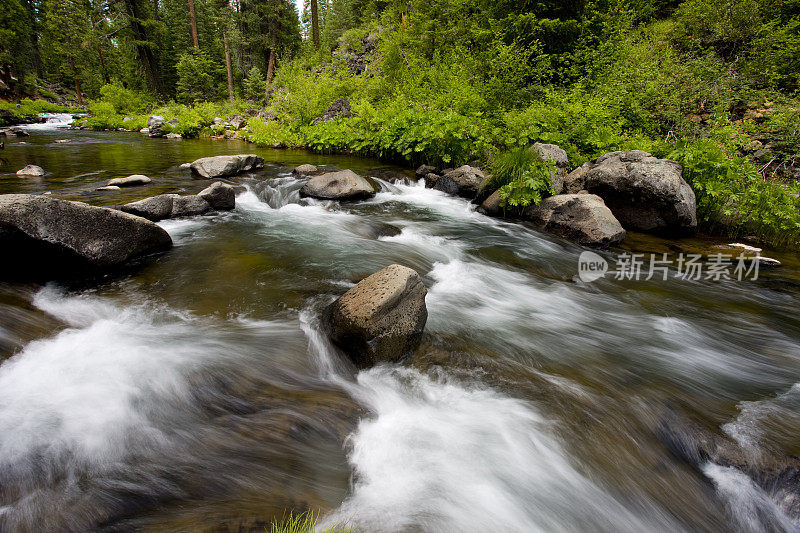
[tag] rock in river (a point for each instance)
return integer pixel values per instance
(219, 196)
(305, 170)
(583, 218)
(130, 181)
(221, 166)
(164, 206)
(464, 181)
(31, 170)
(43, 236)
(342, 185)
(644, 192)
(380, 319)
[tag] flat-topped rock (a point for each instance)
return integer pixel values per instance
(43, 236)
(382, 318)
(130, 181)
(221, 166)
(342, 185)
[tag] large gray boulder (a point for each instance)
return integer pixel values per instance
(464, 181)
(575, 181)
(220, 196)
(342, 185)
(189, 206)
(221, 166)
(43, 236)
(380, 319)
(154, 208)
(165, 206)
(582, 218)
(644, 192)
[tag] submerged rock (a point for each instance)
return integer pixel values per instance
(42, 236)
(582, 218)
(130, 181)
(342, 185)
(380, 319)
(644, 192)
(777, 474)
(221, 166)
(219, 196)
(31, 170)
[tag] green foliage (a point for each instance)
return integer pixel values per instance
(732, 195)
(254, 86)
(30, 108)
(270, 133)
(522, 177)
(198, 77)
(126, 101)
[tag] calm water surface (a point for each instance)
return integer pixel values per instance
(197, 394)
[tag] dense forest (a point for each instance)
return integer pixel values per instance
(710, 83)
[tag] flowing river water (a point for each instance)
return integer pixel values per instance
(196, 392)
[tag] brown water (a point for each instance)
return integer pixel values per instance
(197, 393)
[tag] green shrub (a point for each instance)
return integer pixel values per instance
(126, 101)
(733, 197)
(198, 77)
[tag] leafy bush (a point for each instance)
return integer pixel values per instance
(522, 177)
(732, 195)
(126, 101)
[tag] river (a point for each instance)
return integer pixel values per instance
(197, 393)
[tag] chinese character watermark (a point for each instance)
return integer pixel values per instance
(689, 267)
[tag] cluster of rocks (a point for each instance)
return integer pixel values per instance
(217, 197)
(593, 204)
(13, 131)
(156, 127)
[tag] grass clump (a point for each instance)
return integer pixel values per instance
(522, 177)
(306, 523)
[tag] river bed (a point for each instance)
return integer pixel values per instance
(197, 392)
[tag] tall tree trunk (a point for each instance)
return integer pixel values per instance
(78, 93)
(271, 65)
(228, 65)
(193, 20)
(103, 63)
(315, 23)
